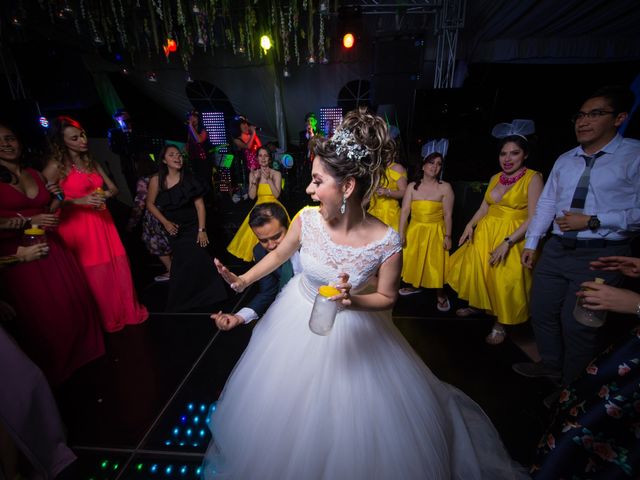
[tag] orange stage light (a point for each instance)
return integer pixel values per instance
(348, 40)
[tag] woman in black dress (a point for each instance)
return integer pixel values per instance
(175, 199)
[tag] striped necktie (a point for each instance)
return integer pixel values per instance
(580, 195)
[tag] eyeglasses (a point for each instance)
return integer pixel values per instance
(592, 115)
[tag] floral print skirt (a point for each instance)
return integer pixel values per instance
(596, 429)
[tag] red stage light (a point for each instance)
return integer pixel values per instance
(170, 47)
(348, 40)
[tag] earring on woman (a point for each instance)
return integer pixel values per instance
(343, 207)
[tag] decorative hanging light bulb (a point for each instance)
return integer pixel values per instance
(265, 43)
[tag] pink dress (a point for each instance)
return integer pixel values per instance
(92, 237)
(58, 323)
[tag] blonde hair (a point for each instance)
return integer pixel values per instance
(367, 168)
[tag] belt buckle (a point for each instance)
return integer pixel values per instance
(568, 242)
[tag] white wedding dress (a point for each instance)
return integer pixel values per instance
(358, 404)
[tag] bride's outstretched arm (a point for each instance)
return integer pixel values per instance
(268, 264)
(386, 292)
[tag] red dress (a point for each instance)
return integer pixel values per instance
(251, 154)
(58, 322)
(92, 237)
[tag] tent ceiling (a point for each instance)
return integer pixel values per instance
(533, 31)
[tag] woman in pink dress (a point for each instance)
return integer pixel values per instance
(86, 225)
(58, 323)
(248, 142)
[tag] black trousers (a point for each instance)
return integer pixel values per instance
(563, 343)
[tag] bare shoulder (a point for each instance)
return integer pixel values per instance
(398, 168)
(52, 170)
(445, 186)
(99, 168)
(537, 177)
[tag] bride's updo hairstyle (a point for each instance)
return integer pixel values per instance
(360, 148)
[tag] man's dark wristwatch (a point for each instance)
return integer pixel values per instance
(593, 223)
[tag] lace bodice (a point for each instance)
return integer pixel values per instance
(322, 259)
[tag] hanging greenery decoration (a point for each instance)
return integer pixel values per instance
(296, 27)
(321, 50)
(168, 20)
(284, 36)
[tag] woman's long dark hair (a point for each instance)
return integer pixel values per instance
(420, 174)
(163, 169)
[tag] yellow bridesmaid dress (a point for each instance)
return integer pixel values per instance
(424, 258)
(504, 289)
(384, 208)
(242, 244)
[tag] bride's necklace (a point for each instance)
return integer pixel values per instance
(504, 180)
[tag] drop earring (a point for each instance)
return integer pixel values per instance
(343, 207)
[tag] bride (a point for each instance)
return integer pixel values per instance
(357, 404)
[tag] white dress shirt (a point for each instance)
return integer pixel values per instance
(613, 196)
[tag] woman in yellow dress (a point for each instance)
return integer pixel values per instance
(266, 184)
(385, 202)
(486, 270)
(427, 239)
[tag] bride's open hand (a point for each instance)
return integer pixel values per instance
(345, 288)
(235, 282)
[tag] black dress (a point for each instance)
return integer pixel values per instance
(195, 282)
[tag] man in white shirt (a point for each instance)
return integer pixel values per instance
(592, 201)
(270, 223)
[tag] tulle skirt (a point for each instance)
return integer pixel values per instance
(358, 404)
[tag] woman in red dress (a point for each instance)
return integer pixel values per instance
(86, 225)
(58, 324)
(248, 142)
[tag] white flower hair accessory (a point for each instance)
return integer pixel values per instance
(345, 143)
(519, 127)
